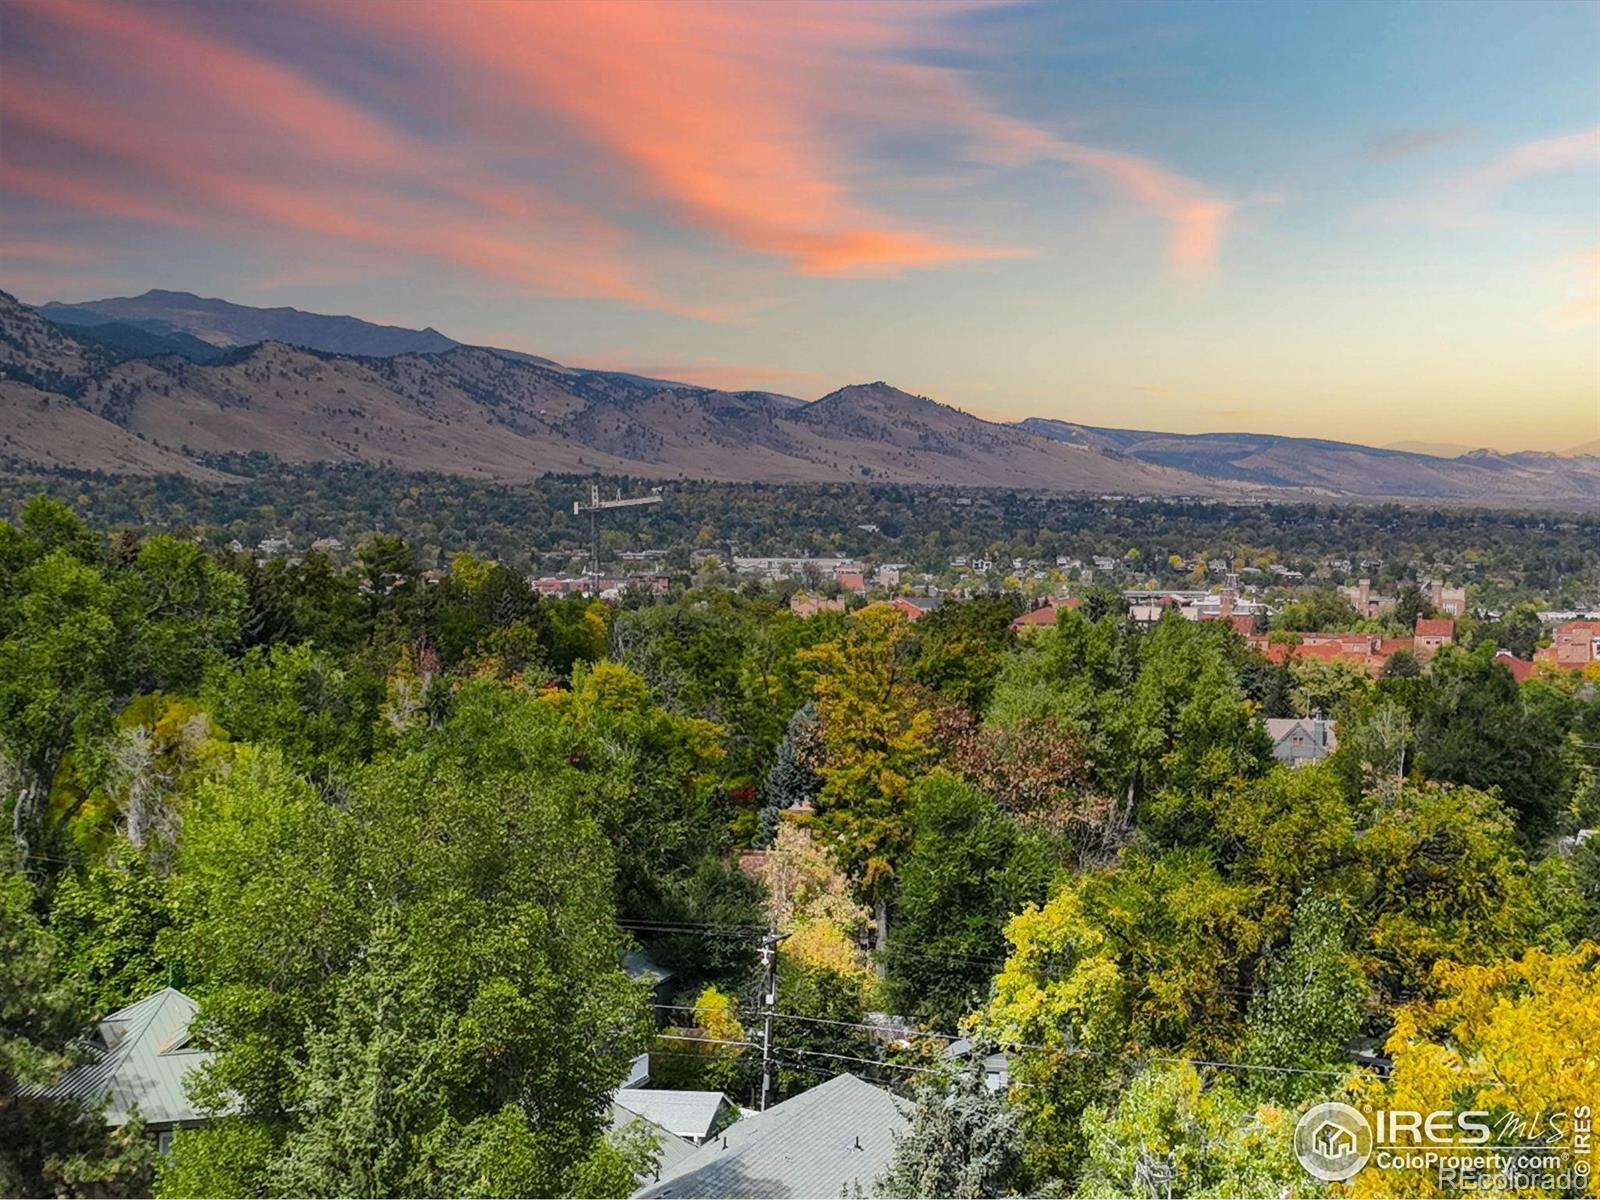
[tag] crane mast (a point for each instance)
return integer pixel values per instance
(594, 508)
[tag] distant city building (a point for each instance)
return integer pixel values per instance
(1366, 601)
(1575, 644)
(1433, 633)
(802, 605)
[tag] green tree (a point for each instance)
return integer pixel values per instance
(1169, 1132)
(1314, 997)
(110, 921)
(50, 1146)
(964, 1141)
(1478, 727)
(438, 1007)
(969, 869)
(301, 701)
(58, 679)
(959, 647)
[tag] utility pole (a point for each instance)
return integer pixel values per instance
(769, 1006)
(594, 508)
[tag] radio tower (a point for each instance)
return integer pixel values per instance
(594, 508)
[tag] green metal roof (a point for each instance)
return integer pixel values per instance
(138, 1059)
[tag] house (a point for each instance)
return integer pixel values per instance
(273, 547)
(1432, 633)
(916, 606)
(137, 1060)
(1520, 668)
(692, 1116)
(830, 1141)
(1301, 740)
(852, 581)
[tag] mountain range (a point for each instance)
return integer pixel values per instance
(172, 382)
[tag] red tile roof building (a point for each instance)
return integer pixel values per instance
(1575, 644)
(1043, 616)
(1432, 633)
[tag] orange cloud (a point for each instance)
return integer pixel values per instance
(748, 119)
(237, 145)
(537, 144)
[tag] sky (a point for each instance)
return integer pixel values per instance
(1370, 221)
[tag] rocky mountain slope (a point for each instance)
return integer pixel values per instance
(1343, 468)
(168, 381)
(478, 412)
(221, 323)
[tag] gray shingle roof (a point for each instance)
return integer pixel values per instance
(671, 1149)
(139, 1057)
(817, 1144)
(687, 1114)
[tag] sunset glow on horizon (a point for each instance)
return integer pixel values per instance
(1375, 223)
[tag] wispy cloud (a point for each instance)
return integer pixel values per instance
(184, 129)
(556, 148)
(1465, 197)
(1582, 307)
(1408, 143)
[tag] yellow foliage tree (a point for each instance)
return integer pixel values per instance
(1519, 1039)
(876, 738)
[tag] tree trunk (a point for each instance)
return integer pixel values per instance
(25, 817)
(880, 917)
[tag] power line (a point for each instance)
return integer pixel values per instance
(679, 1037)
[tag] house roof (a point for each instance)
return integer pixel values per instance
(820, 1143)
(688, 1114)
(671, 1150)
(1319, 730)
(139, 1057)
(1040, 616)
(1520, 668)
(639, 966)
(1435, 627)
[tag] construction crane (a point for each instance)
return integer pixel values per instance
(594, 508)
